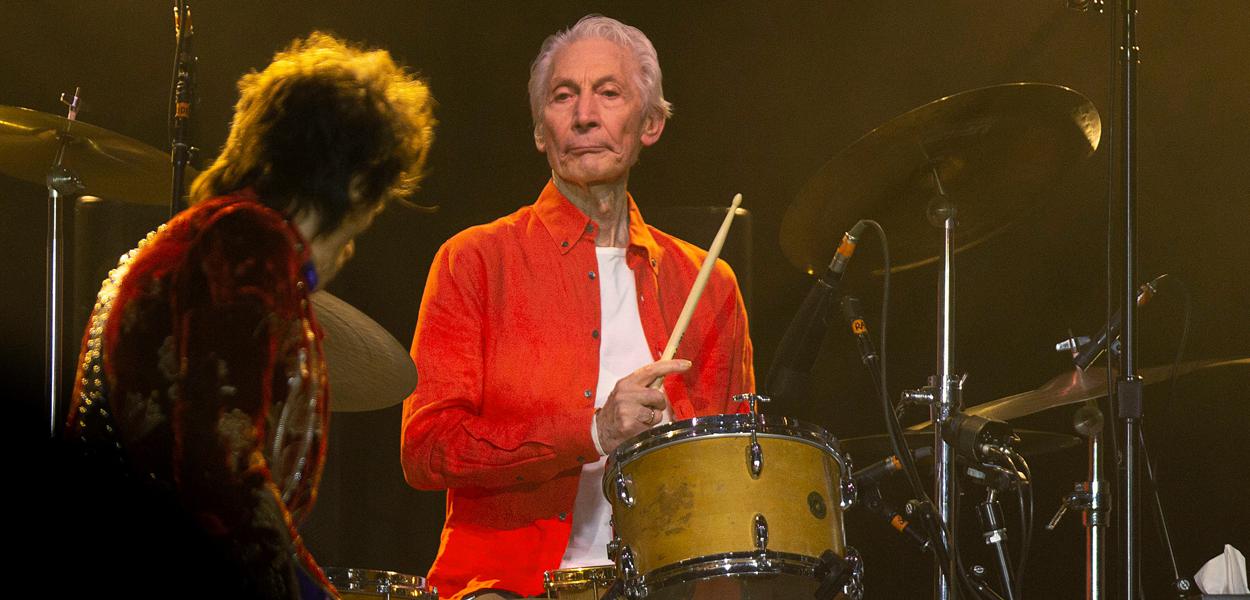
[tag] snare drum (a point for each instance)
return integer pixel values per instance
(738, 506)
(586, 583)
(367, 584)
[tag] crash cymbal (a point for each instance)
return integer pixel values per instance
(1076, 386)
(108, 164)
(368, 368)
(994, 150)
(870, 448)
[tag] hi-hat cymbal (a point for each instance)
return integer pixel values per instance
(993, 149)
(368, 368)
(870, 448)
(108, 164)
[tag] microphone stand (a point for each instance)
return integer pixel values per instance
(1125, 55)
(990, 514)
(1129, 387)
(181, 100)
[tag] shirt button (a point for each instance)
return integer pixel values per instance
(564, 244)
(587, 393)
(589, 228)
(564, 516)
(591, 274)
(595, 334)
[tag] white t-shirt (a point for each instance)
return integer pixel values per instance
(622, 349)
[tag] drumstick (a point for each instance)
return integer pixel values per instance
(705, 272)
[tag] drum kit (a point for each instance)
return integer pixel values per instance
(751, 505)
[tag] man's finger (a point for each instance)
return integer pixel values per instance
(660, 368)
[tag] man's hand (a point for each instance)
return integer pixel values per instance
(632, 407)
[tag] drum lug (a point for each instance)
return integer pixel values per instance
(614, 548)
(755, 458)
(854, 588)
(849, 493)
(634, 588)
(759, 531)
(625, 489)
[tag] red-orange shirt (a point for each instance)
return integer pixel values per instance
(507, 354)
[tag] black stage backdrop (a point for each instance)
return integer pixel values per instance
(765, 93)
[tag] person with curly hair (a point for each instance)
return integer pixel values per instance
(201, 380)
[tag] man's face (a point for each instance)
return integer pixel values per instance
(593, 122)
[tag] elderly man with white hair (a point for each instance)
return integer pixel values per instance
(539, 332)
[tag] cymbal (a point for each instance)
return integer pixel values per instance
(1076, 386)
(368, 368)
(994, 150)
(109, 164)
(1031, 444)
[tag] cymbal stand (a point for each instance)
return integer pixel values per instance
(1092, 498)
(62, 185)
(948, 396)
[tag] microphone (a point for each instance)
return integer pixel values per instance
(1091, 351)
(870, 475)
(801, 343)
(973, 436)
(854, 316)
(872, 499)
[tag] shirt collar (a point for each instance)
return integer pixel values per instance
(569, 226)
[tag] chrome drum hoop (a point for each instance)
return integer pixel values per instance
(579, 579)
(730, 564)
(385, 584)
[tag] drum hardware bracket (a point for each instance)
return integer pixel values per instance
(614, 548)
(635, 588)
(990, 513)
(759, 533)
(849, 493)
(755, 457)
(840, 574)
(1083, 499)
(755, 453)
(976, 575)
(625, 489)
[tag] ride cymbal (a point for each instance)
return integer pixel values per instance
(993, 150)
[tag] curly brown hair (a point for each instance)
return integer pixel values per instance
(328, 127)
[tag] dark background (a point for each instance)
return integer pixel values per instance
(765, 93)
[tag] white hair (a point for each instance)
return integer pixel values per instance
(601, 27)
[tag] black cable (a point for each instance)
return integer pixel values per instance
(1024, 489)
